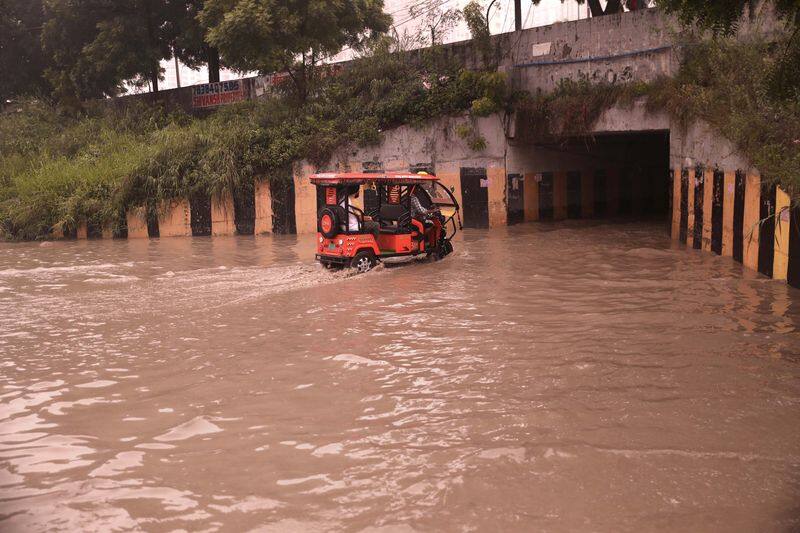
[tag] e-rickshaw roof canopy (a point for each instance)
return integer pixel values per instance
(353, 178)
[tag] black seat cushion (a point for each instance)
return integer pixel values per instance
(371, 202)
(392, 212)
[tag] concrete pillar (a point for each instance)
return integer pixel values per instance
(690, 212)
(531, 197)
(222, 215)
(752, 214)
(612, 192)
(305, 199)
(783, 217)
(676, 204)
(175, 218)
(729, 196)
(587, 193)
(57, 231)
(450, 177)
(708, 204)
(559, 195)
(263, 207)
(498, 211)
(137, 223)
(83, 230)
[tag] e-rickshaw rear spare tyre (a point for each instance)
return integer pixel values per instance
(328, 222)
(363, 261)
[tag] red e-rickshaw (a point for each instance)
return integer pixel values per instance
(404, 214)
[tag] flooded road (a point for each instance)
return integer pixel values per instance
(543, 378)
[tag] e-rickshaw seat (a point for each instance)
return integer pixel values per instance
(371, 203)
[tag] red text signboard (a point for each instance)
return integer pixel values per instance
(214, 94)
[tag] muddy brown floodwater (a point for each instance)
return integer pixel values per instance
(565, 377)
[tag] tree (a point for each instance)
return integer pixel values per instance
(722, 17)
(435, 21)
(21, 57)
(289, 35)
(190, 45)
(69, 26)
(478, 24)
(97, 45)
(133, 37)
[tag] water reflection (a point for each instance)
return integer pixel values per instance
(560, 377)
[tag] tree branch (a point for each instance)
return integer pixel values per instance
(595, 8)
(613, 6)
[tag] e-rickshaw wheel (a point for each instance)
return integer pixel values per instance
(363, 261)
(443, 250)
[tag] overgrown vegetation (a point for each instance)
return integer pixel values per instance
(572, 109)
(57, 170)
(727, 83)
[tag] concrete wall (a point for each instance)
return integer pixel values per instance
(263, 199)
(436, 145)
(222, 215)
(614, 48)
(137, 223)
(174, 219)
(782, 223)
(305, 198)
(750, 224)
(701, 146)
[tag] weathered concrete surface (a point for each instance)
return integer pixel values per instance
(263, 199)
(222, 215)
(531, 197)
(497, 196)
(701, 145)
(630, 119)
(708, 204)
(690, 211)
(727, 213)
(752, 213)
(137, 223)
(613, 48)
(305, 199)
(450, 176)
(780, 264)
(175, 219)
(676, 204)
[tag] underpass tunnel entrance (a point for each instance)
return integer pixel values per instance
(613, 175)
